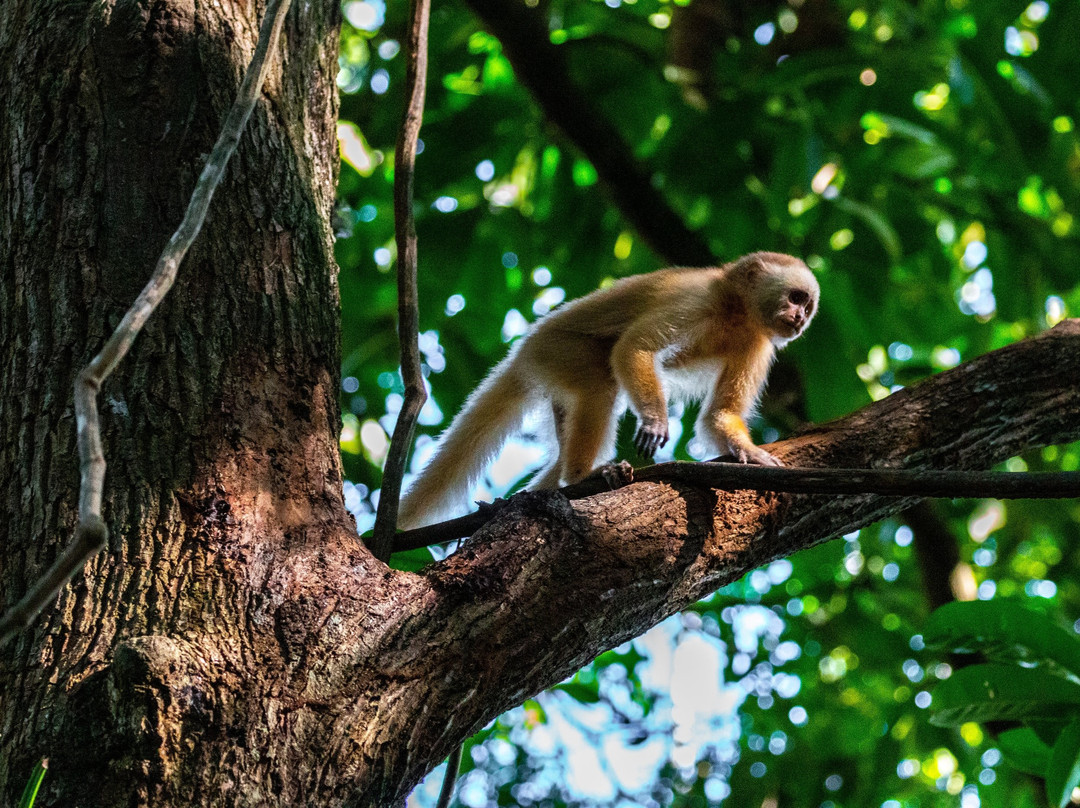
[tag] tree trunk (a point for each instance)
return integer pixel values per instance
(235, 644)
(149, 681)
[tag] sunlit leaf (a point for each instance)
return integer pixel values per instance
(497, 71)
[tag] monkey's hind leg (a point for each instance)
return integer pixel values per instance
(589, 433)
(550, 475)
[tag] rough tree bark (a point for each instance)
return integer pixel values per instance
(220, 427)
(235, 644)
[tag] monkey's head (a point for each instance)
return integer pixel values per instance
(783, 291)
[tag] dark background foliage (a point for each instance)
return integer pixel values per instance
(922, 157)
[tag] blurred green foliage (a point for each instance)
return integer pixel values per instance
(923, 158)
(1032, 691)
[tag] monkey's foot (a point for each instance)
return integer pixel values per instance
(753, 456)
(616, 475)
(607, 477)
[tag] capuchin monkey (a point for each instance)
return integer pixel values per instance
(691, 333)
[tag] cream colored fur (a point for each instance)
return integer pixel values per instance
(709, 333)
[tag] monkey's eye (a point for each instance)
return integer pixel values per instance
(799, 297)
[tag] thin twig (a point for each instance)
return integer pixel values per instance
(453, 762)
(950, 484)
(837, 482)
(382, 538)
(91, 533)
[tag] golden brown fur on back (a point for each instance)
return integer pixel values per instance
(709, 333)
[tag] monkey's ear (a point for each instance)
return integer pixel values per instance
(751, 266)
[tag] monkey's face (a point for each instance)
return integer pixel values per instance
(795, 312)
(791, 297)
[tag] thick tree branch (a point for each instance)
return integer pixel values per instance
(408, 300)
(548, 584)
(737, 477)
(91, 533)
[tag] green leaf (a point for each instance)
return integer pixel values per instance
(879, 224)
(1024, 750)
(584, 693)
(1063, 772)
(1048, 730)
(411, 560)
(30, 792)
(497, 72)
(1002, 692)
(918, 161)
(629, 659)
(893, 125)
(990, 625)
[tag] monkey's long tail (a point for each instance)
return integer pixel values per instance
(492, 413)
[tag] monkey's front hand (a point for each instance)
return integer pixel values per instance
(651, 435)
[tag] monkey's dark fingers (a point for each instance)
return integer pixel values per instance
(647, 440)
(641, 441)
